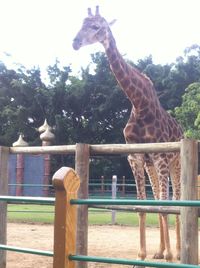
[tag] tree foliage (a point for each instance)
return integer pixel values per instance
(91, 108)
(189, 112)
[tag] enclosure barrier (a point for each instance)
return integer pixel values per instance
(66, 184)
(189, 215)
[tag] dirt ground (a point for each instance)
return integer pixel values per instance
(106, 241)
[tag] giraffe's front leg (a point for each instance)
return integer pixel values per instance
(178, 238)
(136, 162)
(153, 177)
(168, 254)
(142, 226)
(159, 254)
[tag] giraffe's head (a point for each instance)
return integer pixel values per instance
(94, 29)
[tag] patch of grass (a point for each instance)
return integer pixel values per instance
(30, 213)
(45, 214)
(124, 218)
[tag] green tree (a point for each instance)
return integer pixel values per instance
(189, 112)
(25, 101)
(97, 107)
(184, 71)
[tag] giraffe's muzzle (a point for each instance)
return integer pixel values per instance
(76, 44)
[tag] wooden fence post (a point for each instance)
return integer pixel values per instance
(82, 169)
(198, 186)
(4, 153)
(66, 183)
(189, 215)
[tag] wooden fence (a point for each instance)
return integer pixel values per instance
(189, 162)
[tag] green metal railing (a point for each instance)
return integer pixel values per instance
(129, 262)
(27, 250)
(36, 200)
(28, 200)
(129, 202)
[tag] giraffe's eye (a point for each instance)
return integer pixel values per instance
(95, 27)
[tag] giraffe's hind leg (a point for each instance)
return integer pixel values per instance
(162, 169)
(175, 171)
(153, 177)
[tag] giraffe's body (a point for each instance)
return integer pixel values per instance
(148, 122)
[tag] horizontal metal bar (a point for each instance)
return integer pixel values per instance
(147, 209)
(28, 200)
(27, 250)
(129, 262)
(29, 185)
(30, 211)
(128, 202)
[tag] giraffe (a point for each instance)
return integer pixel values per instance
(148, 123)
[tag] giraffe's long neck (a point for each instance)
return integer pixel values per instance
(137, 87)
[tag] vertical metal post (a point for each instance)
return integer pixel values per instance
(189, 215)
(4, 153)
(102, 185)
(114, 195)
(123, 185)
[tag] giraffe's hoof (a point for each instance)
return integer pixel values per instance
(178, 257)
(168, 257)
(158, 255)
(142, 255)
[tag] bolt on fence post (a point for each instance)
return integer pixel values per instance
(114, 195)
(66, 183)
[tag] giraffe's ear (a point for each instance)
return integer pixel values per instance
(112, 22)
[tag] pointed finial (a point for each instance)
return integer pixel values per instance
(47, 136)
(20, 142)
(44, 126)
(89, 12)
(97, 11)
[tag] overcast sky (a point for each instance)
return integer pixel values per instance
(36, 32)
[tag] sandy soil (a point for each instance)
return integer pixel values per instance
(107, 241)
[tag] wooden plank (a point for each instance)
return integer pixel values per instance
(82, 169)
(189, 215)
(66, 183)
(134, 148)
(57, 149)
(100, 149)
(4, 153)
